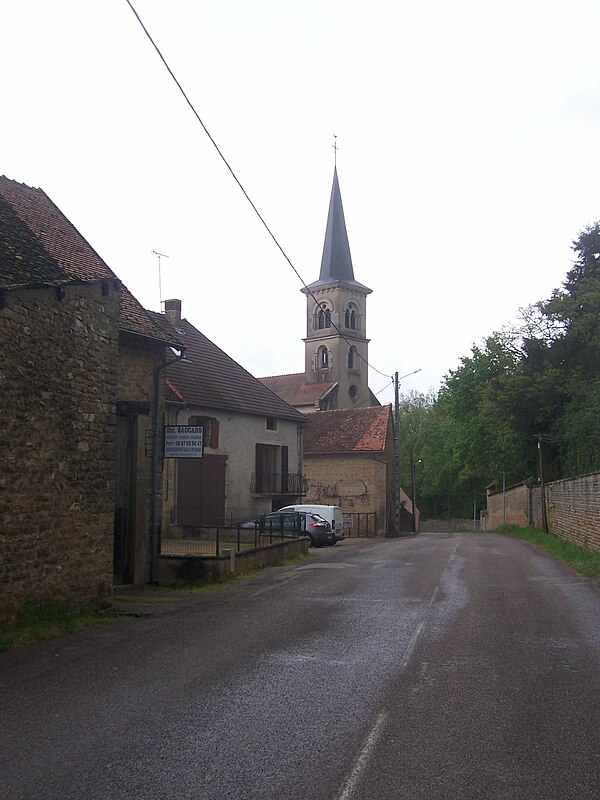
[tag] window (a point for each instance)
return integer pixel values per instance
(352, 358)
(271, 423)
(353, 391)
(211, 430)
(266, 472)
(351, 316)
(323, 317)
(322, 358)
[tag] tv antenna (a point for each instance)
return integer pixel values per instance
(159, 256)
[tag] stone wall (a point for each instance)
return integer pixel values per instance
(510, 507)
(58, 387)
(138, 361)
(572, 509)
(355, 483)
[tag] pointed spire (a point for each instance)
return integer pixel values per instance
(336, 264)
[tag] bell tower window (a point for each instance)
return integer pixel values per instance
(351, 316)
(352, 358)
(322, 360)
(323, 319)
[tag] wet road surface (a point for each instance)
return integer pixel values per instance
(464, 666)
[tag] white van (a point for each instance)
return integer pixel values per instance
(333, 515)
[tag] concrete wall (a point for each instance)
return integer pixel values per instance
(58, 387)
(188, 570)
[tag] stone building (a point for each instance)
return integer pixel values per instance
(334, 384)
(78, 383)
(348, 458)
(252, 460)
(336, 345)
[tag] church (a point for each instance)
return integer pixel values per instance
(349, 440)
(336, 345)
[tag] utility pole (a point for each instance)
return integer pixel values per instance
(540, 438)
(397, 498)
(397, 455)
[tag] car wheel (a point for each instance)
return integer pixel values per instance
(311, 541)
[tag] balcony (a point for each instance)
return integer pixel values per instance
(277, 483)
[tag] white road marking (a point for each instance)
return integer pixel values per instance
(412, 644)
(361, 760)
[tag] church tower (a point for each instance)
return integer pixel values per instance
(336, 344)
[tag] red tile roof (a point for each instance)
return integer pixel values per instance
(211, 379)
(32, 226)
(294, 389)
(349, 430)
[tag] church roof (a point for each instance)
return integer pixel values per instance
(209, 378)
(348, 430)
(295, 391)
(38, 245)
(336, 263)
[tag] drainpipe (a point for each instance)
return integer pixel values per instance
(154, 526)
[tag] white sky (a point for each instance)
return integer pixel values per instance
(468, 157)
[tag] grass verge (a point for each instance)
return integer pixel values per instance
(587, 562)
(46, 621)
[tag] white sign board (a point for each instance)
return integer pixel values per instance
(184, 441)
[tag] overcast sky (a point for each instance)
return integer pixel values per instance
(468, 157)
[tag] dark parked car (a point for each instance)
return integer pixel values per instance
(314, 526)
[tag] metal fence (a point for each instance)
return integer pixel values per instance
(212, 540)
(363, 524)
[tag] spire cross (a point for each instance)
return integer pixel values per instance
(335, 148)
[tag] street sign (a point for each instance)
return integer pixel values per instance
(184, 441)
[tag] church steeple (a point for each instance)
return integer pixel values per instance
(336, 344)
(336, 263)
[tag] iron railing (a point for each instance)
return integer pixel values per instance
(278, 483)
(211, 540)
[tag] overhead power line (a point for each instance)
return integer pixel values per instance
(235, 178)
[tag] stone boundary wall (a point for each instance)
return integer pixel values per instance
(511, 507)
(447, 525)
(57, 442)
(572, 509)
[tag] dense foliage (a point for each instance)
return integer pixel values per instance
(536, 379)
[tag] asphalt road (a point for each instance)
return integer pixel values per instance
(463, 666)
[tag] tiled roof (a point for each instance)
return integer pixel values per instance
(211, 379)
(294, 389)
(348, 430)
(38, 244)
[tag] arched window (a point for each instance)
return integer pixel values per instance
(351, 316)
(323, 317)
(322, 358)
(352, 358)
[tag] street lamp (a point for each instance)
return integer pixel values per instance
(413, 488)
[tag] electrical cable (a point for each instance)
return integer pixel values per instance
(234, 176)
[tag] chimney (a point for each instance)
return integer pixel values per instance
(173, 311)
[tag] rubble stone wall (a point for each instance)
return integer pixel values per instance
(58, 389)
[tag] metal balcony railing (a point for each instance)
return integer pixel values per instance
(278, 483)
